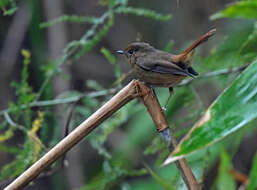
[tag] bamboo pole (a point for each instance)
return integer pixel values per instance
(133, 90)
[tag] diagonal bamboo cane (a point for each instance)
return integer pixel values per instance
(133, 90)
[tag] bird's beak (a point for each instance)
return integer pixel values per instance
(120, 51)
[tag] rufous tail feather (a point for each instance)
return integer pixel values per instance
(202, 39)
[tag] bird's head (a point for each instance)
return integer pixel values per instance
(136, 49)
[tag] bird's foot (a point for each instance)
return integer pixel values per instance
(167, 101)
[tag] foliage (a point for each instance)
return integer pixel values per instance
(32, 117)
(8, 7)
(32, 144)
(240, 9)
(225, 180)
(225, 115)
(20, 115)
(253, 175)
(76, 49)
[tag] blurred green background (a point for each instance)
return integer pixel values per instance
(58, 66)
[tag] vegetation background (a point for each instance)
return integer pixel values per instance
(58, 66)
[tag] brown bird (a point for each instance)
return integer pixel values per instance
(161, 69)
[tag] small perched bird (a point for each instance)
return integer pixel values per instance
(161, 69)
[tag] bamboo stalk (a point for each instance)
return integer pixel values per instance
(153, 107)
(124, 96)
(133, 90)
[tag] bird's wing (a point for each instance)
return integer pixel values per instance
(192, 71)
(162, 66)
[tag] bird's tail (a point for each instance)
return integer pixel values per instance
(202, 39)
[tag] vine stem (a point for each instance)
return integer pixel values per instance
(134, 89)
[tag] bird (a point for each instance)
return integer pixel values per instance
(157, 68)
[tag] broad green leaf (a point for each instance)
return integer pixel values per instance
(241, 9)
(253, 175)
(233, 109)
(225, 180)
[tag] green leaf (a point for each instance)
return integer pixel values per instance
(157, 145)
(88, 44)
(169, 46)
(143, 12)
(94, 85)
(225, 180)
(250, 45)
(112, 60)
(3, 3)
(159, 180)
(20, 163)
(108, 55)
(69, 18)
(253, 175)
(233, 109)
(241, 9)
(10, 12)
(9, 149)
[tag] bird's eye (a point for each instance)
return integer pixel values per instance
(130, 51)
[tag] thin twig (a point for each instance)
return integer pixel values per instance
(26, 131)
(71, 49)
(13, 124)
(214, 74)
(67, 128)
(64, 100)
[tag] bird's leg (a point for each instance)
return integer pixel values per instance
(153, 91)
(167, 101)
(151, 87)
